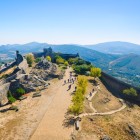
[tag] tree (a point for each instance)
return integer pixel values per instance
(48, 58)
(30, 59)
(60, 60)
(95, 72)
(66, 63)
(81, 69)
(131, 92)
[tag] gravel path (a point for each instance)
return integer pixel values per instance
(53, 125)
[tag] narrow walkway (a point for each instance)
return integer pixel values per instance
(52, 126)
(105, 113)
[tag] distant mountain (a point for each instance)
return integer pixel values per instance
(97, 58)
(127, 64)
(116, 47)
(25, 48)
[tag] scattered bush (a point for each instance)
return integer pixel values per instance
(131, 92)
(37, 60)
(78, 61)
(95, 72)
(59, 60)
(48, 58)
(66, 63)
(20, 91)
(82, 69)
(11, 99)
(30, 59)
(78, 98)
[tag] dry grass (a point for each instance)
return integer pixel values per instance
(116, 125)
(113, 125)
(9, 71)
(104, 101)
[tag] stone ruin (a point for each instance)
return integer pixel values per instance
(39, 76)
(6, 83)
(20, 77)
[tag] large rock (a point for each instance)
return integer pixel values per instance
(3, 94)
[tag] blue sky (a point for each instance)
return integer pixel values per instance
(69, 21)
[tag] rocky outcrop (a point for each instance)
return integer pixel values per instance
(37, 79)
(45, 70)
(12, 81)
(3, 93)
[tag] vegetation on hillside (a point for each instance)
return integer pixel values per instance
(78, 98)
(95, 72)
(59, 60)
(30, 59)
(10, 97)
(80, 66)
(19, 92)
(48, 58)
(38, 59)
(131, 92)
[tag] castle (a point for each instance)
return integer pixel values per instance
(49, 52)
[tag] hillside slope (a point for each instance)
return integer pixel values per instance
(116, 47)
(99, 59)
(127, 64)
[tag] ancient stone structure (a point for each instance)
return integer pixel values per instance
(116, 86)
(49, 52)
(5, 84)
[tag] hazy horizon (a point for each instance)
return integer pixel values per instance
(69, 22)
(68, 43)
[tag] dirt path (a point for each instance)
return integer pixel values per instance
(105, 113)
(52, 126)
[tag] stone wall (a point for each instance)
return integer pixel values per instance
(117, 86)
(8, 67)
(12, 80)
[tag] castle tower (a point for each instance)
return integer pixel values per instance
(48, 51)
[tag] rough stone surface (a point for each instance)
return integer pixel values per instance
(3, 93)
(106, 138)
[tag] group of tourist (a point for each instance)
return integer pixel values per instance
(70, 81)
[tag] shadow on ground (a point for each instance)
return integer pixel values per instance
(69, 120)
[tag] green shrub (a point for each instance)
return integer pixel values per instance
(37, 60)
(66, 63)
(95, 72)
(131, 92)
(78, 98)
(30, 59)
(82, 69)
(20, 91)
(60, 60)
(48, 58)
(11, 99)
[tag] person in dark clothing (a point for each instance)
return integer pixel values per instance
(64, 82)
(69, 87)
(90, 94)
(75, 88)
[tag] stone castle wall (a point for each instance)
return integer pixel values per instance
(8, 67)
(5, 84)
(117, 86)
